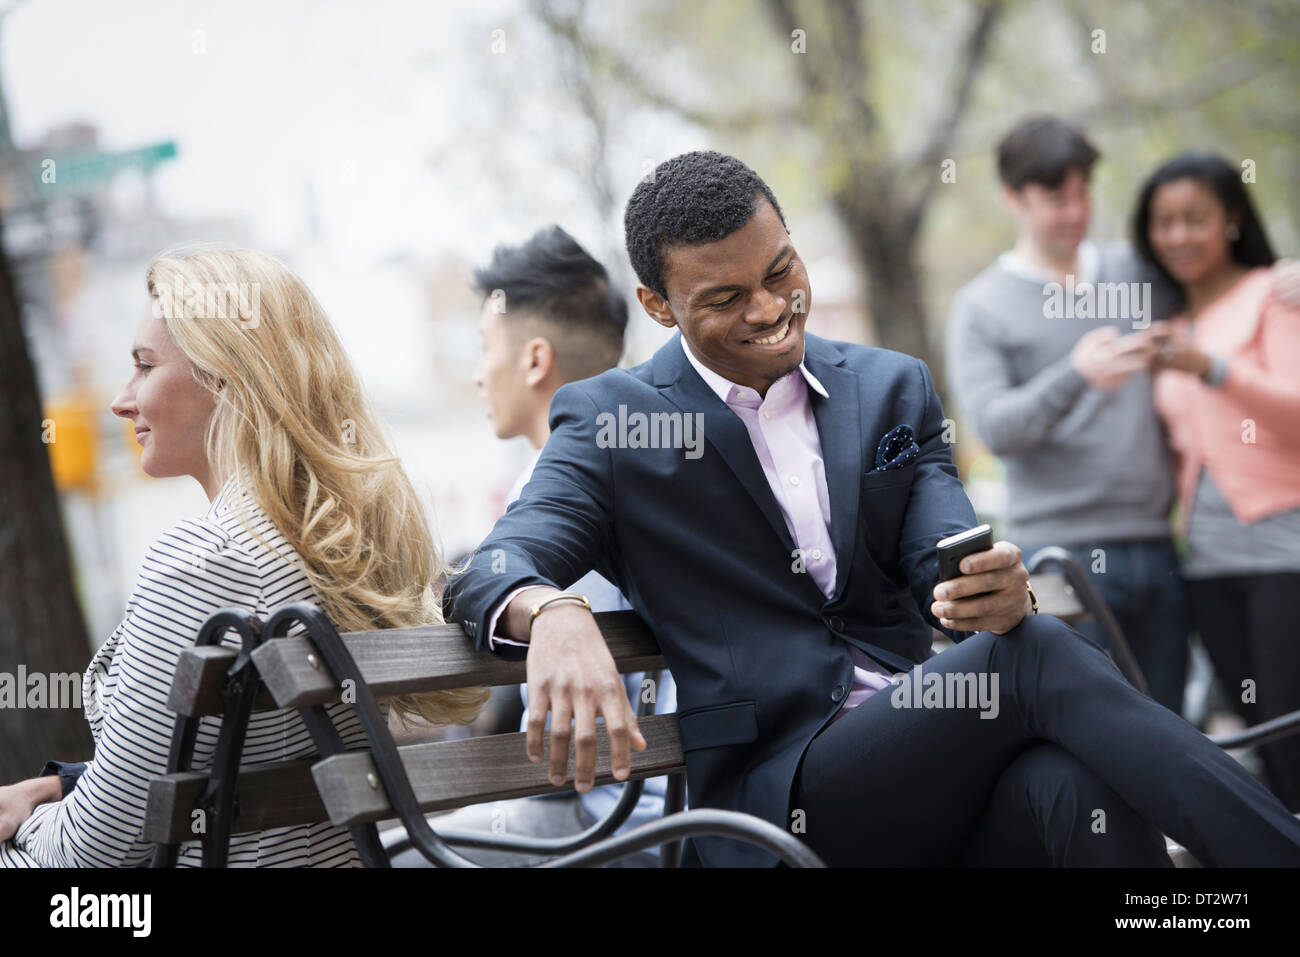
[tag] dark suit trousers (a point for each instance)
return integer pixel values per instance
(1078, 768)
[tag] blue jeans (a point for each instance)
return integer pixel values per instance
(1141, 584)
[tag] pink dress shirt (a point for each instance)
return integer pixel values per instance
(784, 433)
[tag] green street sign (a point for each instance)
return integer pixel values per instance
(85, 172)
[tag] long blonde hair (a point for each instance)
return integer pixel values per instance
(295, 427)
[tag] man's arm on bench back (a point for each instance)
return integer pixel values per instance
(555, 531)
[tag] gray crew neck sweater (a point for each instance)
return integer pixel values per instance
(1082, 465)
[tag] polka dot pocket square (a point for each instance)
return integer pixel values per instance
(897, 448)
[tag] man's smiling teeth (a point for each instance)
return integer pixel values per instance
(774, 337)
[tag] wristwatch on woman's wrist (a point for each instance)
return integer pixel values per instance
(1217, 371)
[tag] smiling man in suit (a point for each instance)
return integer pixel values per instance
(788, 569)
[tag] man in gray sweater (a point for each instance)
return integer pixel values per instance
(1048, 359)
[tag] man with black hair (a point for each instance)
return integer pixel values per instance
(1061, 393)
(551, 316)
(789, 567)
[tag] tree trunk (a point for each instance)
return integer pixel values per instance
(884, 231)
(897, 307)
(42, 630)
(893, 291)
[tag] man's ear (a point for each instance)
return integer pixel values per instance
(656, 307)
(538, 360)
(1011, 199)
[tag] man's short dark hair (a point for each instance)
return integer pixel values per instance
(1043, 150)
(693, 198)
(552, 287)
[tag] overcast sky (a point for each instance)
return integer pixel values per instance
(354, 99)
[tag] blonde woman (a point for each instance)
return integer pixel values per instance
(241, 383)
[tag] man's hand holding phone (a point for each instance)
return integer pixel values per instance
(990, 591)
(1107, 359)
(1176, 350)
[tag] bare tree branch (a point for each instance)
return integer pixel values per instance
(1214, 79)
(576, 71)
(961, 82)
(845, 32)
(634, 78)
(1229, 72)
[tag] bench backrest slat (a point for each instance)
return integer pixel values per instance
(403, 661)
(270, 795)
(196, 685)
(431, 658)
(435, 657)
(451, 774)
(443, 775)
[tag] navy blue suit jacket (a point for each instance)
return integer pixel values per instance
(701, 550)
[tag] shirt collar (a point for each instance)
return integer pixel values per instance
(722, 386)
(232, 494)
(1087, 265)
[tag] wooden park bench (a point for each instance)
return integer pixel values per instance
(358, 788)
(355, 789)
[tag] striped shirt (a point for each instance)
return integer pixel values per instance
(194, 569)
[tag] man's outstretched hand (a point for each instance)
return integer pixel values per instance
(997, 571)
(572, 674)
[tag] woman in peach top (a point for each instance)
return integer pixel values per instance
(1228, 389)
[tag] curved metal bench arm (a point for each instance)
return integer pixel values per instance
(328, 743)
(670, 855)
(240, 685)
(392, 775)
(1092, 600)
(1270, 730)
(238, 692)
(699, 822)
(523, 843)
(321, 633)
(487, 840)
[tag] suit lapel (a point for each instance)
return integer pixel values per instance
(723, 429)
(839, 428)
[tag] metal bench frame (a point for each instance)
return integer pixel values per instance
(1053, 556)
(1122, 654)
(669, 854)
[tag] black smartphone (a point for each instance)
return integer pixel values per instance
(956, 547)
